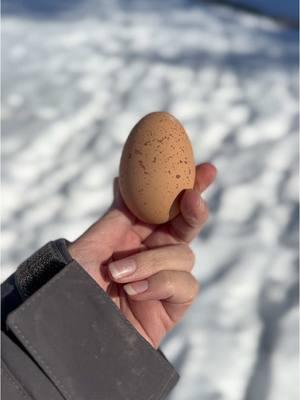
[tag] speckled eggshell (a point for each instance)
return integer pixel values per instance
(157, 164)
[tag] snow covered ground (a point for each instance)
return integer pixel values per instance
(75, 83)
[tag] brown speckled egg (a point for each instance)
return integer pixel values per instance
(157, 165)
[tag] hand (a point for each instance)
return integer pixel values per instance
(146, 269)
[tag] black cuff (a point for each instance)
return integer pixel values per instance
(41, 266)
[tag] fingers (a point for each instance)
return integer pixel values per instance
(205, 175)
(185, 226)
(194, 213)
(146, 263)
(101, 239)
(193, 209)
(174, 287)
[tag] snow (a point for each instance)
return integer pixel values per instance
(74, 85)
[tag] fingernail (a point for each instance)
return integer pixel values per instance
(136, 287)
(122, 268)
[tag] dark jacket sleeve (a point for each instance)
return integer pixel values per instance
(63, 338)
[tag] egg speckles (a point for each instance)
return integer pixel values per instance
(157, 164)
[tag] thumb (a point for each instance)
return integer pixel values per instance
(98, 243)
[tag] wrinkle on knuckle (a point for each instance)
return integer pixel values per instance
(195, 222)
(176, 233)
(156, 262)
(192, 221)
(146, 262)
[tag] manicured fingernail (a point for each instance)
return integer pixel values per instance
(120, 269)
(136, 287)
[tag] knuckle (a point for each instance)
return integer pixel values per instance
(176, 233)
(168, 282)
(189, 255)
(156, 260)
(147, 261)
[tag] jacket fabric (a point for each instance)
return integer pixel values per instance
(64, 338)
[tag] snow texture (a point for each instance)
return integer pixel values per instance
(75, 81)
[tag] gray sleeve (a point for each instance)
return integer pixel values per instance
(85, 346)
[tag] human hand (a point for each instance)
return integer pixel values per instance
(146, 269)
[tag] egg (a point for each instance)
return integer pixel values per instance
(157, 165)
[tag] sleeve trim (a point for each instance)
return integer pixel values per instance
(41, 266)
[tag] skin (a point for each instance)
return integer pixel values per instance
(160, 253)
